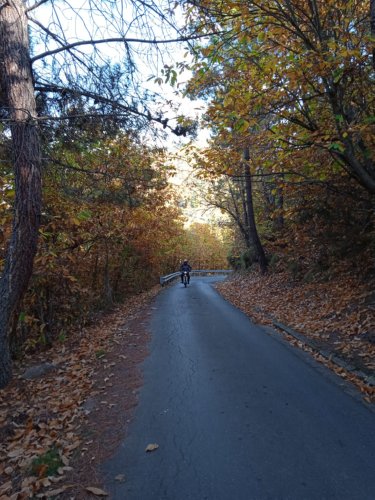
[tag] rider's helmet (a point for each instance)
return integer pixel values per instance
(185, 261)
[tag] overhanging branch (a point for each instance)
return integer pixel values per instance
(117, 40)
(178, 130)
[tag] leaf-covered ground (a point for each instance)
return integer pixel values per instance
(55, 430)
(339, 314)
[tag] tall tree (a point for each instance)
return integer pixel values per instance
(372, 29)
(17, 83)
(250, 213)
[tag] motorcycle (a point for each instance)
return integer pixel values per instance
(185, 279)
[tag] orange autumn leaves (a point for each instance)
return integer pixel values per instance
(109, 229)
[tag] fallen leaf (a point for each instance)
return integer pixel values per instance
(46, 482)
(55, 479)
(28, 481)
(54, 493)
(96, 491)
(120, 478)
(152, 447)
(16, 453)
(41, 470)
(6, 487)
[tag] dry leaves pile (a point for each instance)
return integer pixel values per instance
(338, 315)
(46, 415)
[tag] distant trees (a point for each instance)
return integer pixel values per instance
(205, 247)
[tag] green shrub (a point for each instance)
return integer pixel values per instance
(47, 464)
(248, 258)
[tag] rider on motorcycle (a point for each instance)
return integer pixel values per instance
(185, 266)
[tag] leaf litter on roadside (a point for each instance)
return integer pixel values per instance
(96, 491)
(335, 314)
(41, 419)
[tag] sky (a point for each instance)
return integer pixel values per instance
(85, 23)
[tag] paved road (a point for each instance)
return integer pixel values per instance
(238, 414)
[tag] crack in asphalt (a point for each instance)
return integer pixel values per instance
(238, 415)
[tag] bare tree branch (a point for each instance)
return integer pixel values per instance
(117, 40)
(36, 5)
(115, 104)
(58, 40)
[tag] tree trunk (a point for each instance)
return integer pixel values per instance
(17, 84)
(236, 216)
(356, 155)
(279, 221)
(108, 295)
(250, 214)
(372, 21)
(248, 236)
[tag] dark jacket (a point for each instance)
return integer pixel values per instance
(185, 267)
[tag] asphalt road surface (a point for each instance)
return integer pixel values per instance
(238, 414)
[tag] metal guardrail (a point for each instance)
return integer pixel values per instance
(169, 277)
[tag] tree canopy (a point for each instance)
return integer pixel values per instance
(301, 71)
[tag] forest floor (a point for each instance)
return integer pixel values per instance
(56, 430)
